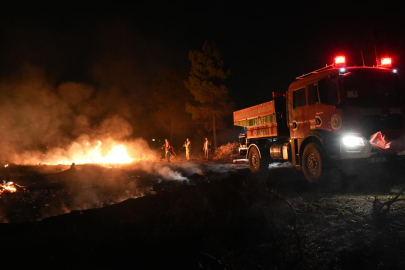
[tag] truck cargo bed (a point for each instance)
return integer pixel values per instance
(260, 120)
(241, 117)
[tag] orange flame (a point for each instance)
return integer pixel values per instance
(9, 187)
(117, 155)
(86, 151)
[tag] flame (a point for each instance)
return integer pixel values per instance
(87, 151)
(9, 187)
(117, 155)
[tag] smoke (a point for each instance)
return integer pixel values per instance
(275, 165)
(166, 172)
(40, 122)
(94, 186)
(190, 168)
(46, 123)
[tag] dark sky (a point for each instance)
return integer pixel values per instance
(264, 46)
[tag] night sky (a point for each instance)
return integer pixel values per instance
(111, 46)
(265, 47)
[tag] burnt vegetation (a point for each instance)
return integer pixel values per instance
(219, 218)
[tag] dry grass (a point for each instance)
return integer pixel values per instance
(227, 152)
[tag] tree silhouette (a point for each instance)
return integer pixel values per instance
(205, 83)
(168, 98)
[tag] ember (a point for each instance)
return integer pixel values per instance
(7, 187)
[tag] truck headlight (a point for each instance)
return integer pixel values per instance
(352, 141)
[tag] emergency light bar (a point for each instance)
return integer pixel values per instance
(340, 61)
(386, 62)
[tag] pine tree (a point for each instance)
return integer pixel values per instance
(205, 83)
(168, 98)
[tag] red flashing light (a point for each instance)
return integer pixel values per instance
(340, 61)
(386, 62)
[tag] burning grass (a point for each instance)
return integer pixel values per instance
(87, 151)
(7, 187)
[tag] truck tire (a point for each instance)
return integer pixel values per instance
(312, 162)
(257, 164)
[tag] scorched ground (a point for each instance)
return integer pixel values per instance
(206, 215)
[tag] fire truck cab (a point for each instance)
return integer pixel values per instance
(329, 117)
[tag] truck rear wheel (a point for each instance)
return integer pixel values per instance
(257, 164)
(312, 162)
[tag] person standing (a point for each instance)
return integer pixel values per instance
(206, 148)
(187, 146)
(167, 148)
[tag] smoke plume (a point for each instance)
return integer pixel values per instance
(42, 122)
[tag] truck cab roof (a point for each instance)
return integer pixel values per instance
(315, 76)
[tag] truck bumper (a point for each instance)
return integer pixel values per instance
(356, 159)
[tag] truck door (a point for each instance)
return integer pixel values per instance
(323, 96)
(313, 106)
(299, 114)
(298, 120)
(329, 117)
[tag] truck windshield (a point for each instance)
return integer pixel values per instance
(371, 87)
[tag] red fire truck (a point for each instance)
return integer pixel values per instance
(332, 117)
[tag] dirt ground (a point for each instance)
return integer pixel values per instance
(199, 215)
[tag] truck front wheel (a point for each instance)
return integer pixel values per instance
(257, 164)
(312, 162)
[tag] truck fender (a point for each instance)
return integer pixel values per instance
(309, 139)
(250, 147)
